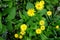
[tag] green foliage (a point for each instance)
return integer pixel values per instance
(1, 38)
(13, 13)
(29, 5)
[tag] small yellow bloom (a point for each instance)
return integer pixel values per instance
(49, 13)
(22, 32)
(16, 35)
(38, 31)
(23, 27)
(39, 6)
(57, 26)
(20, 36)
(30, 12)
(41, 22)
(42, 2)
(42, 27)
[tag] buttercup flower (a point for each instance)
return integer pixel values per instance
(20, 36)
(16, 35)
(57, 26)
(38, 31)
(42, 27)
(22, 32)
(41, 22)
(42, 2)
(23, 27)
(31, 12)
(39, 6)
(49, 13)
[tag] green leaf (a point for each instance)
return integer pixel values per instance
(12, 13)
(0, 22)
(49, 7)
(25, 14)
(27, 38)
(42, 12)
(55, 1)
(3, 29)
(43, 37)
(6, 0)
(21, 15)
(17, 26)
(1, 38)
(29, 6)
(9, 26)
(10, 4)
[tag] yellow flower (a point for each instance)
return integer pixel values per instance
(39, 6)
(22, 32)
(16, 35)
(42, 2)
(20, 36)
(42, 27)
(49, 13)
(57, 26)
(30, 12)
(38, 31)
(23, 27)
(41, 22)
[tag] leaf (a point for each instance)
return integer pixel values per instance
(27, 38)
(3, 29)
(25, 14)
(6, 0)
(0, 22)
(10, 4)
(12, 13)
(17, 26)
(1, 38)
(42, 12)
(49, 7)
(43, 37)
(21, 15)
(9, 26)
(29, 5)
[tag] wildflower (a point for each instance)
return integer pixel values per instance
(57, 26)
(20, 36)
(42, 27)
(16, 35)
(49, 13)
(39, 5)
(30, 12)
(22, 32)
(41, 22)
(42, 2)
(23, 27)
(38, 31)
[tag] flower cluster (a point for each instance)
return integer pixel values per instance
(39, 5)
(23, 28)
(42, 27)
(35, 17)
